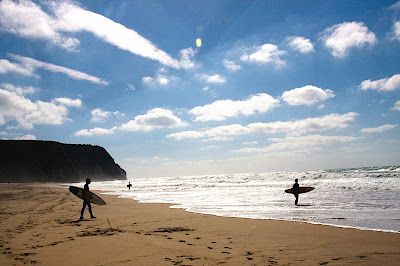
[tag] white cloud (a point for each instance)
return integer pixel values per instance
(7, 66)
(161, 78)
(72, 18)
(222, 109)
(396, 106)
(26, 137)
(26, 19)
(396, 30)
(95, 131)
(340, 38)
(294, 143)
(300, 44)
(15, 107)
(130, 87)
(378, 129)
(186, 58)
(218, 139)
(147, 80)
(328, 122)
(267, 53)
(211, 78)
(210, 91)
(385, 84)
(230, 65)
(19, 90)
(187, 135)
(33, 64)
(154, 118)
(307, 95)
(100, 116)
(395, 6)
(69, 102)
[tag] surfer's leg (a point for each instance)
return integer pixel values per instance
(297, 199)
(90, 210)
(83, 210)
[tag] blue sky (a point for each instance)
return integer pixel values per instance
(274, 85)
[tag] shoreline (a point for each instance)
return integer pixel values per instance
(113, 193)
(44, 230)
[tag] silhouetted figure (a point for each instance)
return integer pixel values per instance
(296, 188)
(129, 185)
(86, 202)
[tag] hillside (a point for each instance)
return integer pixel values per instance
(49, 161)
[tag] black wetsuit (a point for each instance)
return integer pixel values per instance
(85, 190)
(296, 187)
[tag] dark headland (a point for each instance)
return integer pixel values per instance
(50, 161)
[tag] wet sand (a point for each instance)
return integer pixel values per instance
(39, 225)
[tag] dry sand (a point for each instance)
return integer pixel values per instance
(39, 226)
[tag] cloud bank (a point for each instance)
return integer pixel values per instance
(15, 107)
(294, 143)
(328, 122)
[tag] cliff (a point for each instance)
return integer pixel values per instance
(49, 161)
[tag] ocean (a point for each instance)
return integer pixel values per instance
(363, 198)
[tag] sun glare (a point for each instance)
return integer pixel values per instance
(198, 42)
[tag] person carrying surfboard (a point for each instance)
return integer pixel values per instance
(86, 201)
(296, 188)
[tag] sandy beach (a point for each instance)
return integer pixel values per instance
(40, 226)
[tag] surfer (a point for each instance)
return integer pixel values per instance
(296, 188)
(86, 202)
(129, 185)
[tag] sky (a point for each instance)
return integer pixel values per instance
(177, 88)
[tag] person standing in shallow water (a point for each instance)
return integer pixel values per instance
(296, 188)
(86, 202)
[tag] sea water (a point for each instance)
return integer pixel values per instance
(363, 198)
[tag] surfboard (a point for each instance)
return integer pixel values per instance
(91, 197)
(301, 190)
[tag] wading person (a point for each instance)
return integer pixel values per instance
(296, 188)
(86, 201)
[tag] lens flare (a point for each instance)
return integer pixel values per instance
(198, 42)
